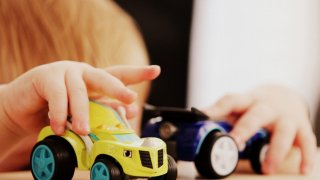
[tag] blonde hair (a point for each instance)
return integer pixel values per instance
(34, 32)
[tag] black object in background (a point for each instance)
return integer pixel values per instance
(165, 26)
(317, 126)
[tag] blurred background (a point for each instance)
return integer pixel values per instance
(204, 48)
(166, 27)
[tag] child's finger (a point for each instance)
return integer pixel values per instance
(132, 110)
(101, 81)
(258, 116)
(78, 101)
(134, 74)
(306, 140)
(56, 94)
(281, 142)
(233, 103)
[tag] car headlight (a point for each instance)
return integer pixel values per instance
(167, 130)
(127, 153)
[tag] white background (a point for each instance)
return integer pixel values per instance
(239, 44)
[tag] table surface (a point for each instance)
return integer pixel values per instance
(289, 169)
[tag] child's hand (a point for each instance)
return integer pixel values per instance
(281, 112)
(51, 90)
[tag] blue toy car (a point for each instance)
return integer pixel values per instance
(190, 136)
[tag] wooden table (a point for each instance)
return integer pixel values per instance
(186, 170)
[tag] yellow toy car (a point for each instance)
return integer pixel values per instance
(112, 150)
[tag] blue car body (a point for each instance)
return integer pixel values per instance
(188, 138)
(190, 134)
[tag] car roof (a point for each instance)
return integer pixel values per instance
(175, 114)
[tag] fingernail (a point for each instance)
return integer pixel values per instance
(153, 66)
(83, 127)
(60, 130)
(236, 138)
(49, 116)
(241, 145)
(87, 127)
(133, 108)
(129, 94)
(134, 96)
(268, 169)
(157, 67)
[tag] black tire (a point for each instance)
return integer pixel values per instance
(110, 170)
(172, 173)
(206, 161)
(257, 152)
(62, 160)
(172, 169)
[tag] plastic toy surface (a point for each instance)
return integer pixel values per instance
(111, 151)
(191, 137)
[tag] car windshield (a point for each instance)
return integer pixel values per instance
(122, 121)
(121, 117)
(126, 137)
(102, 116)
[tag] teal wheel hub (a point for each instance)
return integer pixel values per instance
(100, 171)
(43, 162)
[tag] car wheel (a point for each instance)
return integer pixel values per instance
(172, 171)
(257, 155)
(53, 159)
(218, 156)
(106, 170)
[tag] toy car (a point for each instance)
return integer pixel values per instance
(191, 137)
(112, 150)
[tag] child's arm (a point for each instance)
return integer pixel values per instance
(280, 111)
(8, 136)
(46, 93)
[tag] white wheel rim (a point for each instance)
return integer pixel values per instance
(224, 156)
(263, 153)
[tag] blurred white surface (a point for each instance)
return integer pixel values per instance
(237, 45)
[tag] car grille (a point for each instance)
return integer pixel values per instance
(145, 159)
(160, 157)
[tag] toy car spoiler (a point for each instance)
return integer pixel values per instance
(176, 114)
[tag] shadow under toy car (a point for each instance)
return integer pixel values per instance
(190, 136)
(112, 150)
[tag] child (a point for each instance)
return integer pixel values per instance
(99, 33)
(278, 109)
(36, 91)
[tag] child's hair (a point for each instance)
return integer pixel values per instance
(34, 32)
